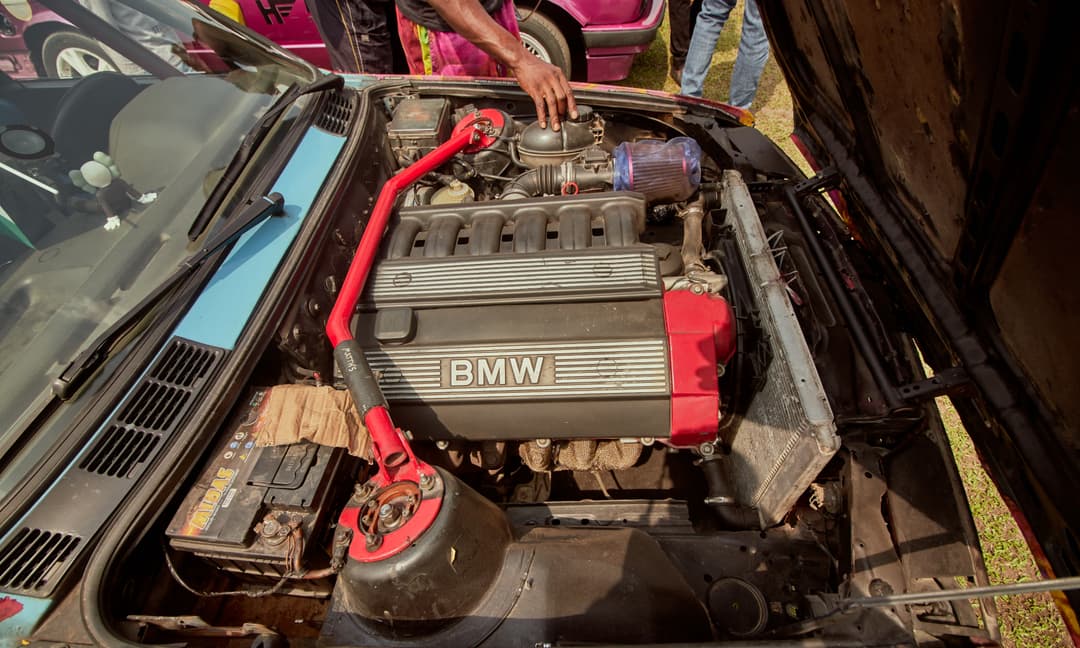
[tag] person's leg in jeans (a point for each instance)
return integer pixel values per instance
(750, 62)
(681, 17)
(714, 13)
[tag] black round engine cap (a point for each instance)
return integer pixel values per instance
(584, 114)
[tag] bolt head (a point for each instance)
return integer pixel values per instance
(427, 481)
(879, 587)
(386, 511)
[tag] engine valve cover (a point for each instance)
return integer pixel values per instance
(526, 319)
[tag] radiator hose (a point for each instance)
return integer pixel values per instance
(721, 493)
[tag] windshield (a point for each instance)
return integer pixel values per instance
(117, 119)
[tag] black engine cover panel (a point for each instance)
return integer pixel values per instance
(519, 341)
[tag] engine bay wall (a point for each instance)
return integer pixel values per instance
(527, 349)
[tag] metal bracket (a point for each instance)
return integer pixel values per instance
(195, 626)
(945, 382)
(826, 178)
(763, 186)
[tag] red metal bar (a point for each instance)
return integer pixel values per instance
(337, 327)
(392, 453)
(390, 449)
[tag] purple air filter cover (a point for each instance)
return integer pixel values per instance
(662, 170)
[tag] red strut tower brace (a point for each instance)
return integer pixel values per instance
(383, 526)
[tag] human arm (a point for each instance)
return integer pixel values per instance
(543, 82)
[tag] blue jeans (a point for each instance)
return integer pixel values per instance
(753, 51)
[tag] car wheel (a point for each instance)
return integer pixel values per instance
(69, 55)
(543, 39)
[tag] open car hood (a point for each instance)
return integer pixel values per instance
(951, 124)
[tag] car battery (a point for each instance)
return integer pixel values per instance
(253, 509)
(417, 127)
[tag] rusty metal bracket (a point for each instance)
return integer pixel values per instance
(196, 626)
(948, 381)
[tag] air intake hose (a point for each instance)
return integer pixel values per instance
(551, 180)
(665, 171)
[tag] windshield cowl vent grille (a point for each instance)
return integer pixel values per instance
(156, 407)
(38, 554)
(34, 558)
(337, 112)
(184, 364)
(119, 452)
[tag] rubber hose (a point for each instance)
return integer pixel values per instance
(549, 179)
(732, 515)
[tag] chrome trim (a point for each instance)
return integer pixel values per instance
(532, 277)
(564, 369)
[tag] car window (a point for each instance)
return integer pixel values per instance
(107, 153)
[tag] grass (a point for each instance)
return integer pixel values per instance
(772, 106)
(1029, 621)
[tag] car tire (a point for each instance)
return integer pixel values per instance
(70, 55)
(543, 39)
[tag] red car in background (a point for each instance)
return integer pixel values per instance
(590, 41)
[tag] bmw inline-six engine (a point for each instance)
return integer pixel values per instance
(599, 378)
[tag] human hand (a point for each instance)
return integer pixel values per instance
(549, 89)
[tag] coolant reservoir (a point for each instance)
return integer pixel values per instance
(455, 193)
(542, 146)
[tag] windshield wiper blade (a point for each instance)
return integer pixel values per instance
(91, 357)
(251, 141)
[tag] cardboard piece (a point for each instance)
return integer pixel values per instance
(323, 415)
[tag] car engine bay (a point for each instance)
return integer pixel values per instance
(628, 398)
